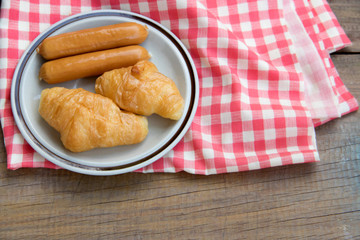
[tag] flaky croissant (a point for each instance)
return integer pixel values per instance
(142, 89)
(87, 120)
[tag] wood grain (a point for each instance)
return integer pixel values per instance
(348, 14)
(306, 201)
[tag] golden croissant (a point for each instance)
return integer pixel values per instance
(142, 89)
(87, 120)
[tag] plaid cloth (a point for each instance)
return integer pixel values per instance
(266, 77)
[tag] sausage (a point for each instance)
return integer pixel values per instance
(91, 64)
(92, 39)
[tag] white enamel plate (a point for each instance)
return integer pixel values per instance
(168, 54)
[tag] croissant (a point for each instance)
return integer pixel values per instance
(142, 89)
(87, 120)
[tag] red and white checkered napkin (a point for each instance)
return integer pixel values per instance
(266, 77)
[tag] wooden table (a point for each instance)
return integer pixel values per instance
(311, 201)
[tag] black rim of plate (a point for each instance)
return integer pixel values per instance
(75, 18)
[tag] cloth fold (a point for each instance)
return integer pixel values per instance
(265, 72)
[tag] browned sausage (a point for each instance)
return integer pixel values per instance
(93, 39)
(91, 64)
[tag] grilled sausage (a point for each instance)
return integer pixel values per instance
(91, 64)
(93, 39)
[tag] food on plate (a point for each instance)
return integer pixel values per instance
(142, 89)
(93, 39)
(87, 120)
(91, 64)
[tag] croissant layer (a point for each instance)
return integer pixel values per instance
(142, 89)
(87, 120)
